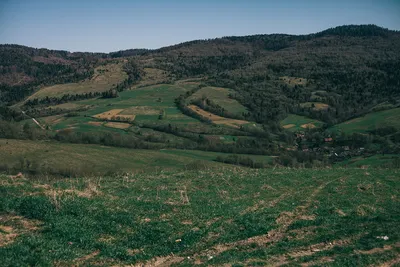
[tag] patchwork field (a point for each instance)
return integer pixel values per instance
(104, 78)
(221, 97)
(218, 119)
(117, 125)
(114, 114)
(224, 217)
(371, 121)
(297, 123)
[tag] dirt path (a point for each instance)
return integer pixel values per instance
(34, 120)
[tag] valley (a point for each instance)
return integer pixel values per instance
(259, 150)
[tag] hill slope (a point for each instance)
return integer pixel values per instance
(208, 218)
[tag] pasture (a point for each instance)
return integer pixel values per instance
(220, 217)
(299, 123)
(220, 96)
(371, 121)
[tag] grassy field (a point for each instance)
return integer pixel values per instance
(104, 159)
(104, 78)
(141, 105)
(221, 97)
(297, 123)
(207, 155)
(371, 121)
(97, 159)
(225, 217)
(377, 161)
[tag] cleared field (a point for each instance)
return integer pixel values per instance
(114, 114)
(224, 217)
(221, 97)
(297, 123)
(371, 121)
(315, 105)
(104, 78)
(117, 125)
(218, 119)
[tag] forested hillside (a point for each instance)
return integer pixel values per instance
(307, 100)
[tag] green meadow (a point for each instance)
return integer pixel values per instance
(209, 217)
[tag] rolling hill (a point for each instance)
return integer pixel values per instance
(262, 150)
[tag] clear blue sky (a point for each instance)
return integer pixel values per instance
(104, 26)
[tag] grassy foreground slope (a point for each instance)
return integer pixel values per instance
(329, 217)
(78, 159)
(87, 159)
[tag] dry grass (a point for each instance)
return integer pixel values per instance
(104, 78)
(95, 123)
(114, 114)
(307, 126)
(217, 119)
(140, 110)
(317, 105)
(288, 126)
(118, 125)
(152, 76)
(68, 106)
(20, 226)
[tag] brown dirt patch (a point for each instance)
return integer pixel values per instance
(377, 250)
(114, 114)
(95, 123)
(308, 126)
(321, 106)
(108, 114)
(288, 126)
(319, 262)
(161, 261)
(20, 225)
(117, 125)
(340, 212)
(391, 263)
(87, 257)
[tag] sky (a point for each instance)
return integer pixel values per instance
(105, 26)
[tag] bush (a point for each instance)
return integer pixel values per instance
(36, 207)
